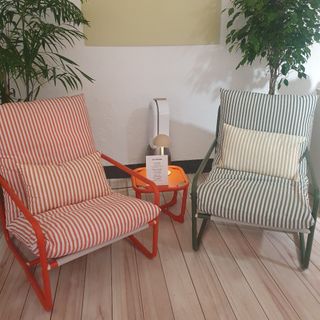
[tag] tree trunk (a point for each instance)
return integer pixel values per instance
(273, 79)
(5, 89)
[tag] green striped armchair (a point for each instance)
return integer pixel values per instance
(261, 167)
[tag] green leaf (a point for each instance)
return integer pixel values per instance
(66, 59)
(231, 48)
(229, 24)
(285, 68)
(85, 75)
(230, 11)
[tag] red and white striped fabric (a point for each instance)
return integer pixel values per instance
(41, 132)
(83, 225)
(52, 186)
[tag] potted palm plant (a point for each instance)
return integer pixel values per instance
(32, 35)
(279, 32)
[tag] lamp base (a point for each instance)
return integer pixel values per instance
(157, 151)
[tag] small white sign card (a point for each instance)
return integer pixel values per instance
(157, 169)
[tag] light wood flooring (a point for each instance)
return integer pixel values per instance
(238, 273)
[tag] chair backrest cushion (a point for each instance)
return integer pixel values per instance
(284, 114)
(42, 132)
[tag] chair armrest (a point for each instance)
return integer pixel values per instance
(314, 184)
(25, 211)
(200, 170)
(137, 175)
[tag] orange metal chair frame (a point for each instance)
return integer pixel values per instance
(44, 293)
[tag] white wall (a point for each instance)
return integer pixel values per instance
(127, 78)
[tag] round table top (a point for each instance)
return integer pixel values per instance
(177, 180)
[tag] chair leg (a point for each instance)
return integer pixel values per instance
(149, 254)
(305, 250)
(196, 237)
(43, 294)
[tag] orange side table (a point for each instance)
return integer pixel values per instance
(177, 181)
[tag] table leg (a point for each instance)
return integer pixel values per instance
(173, 201)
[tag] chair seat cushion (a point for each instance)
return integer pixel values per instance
(86, 224)
(257, 199)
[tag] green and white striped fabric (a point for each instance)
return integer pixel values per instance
(253, 198)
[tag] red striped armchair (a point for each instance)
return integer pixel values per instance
(55, 197)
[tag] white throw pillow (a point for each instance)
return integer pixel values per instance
(273, 154)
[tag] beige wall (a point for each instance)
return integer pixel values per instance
(152, 22)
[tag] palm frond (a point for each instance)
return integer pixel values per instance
(32, 34)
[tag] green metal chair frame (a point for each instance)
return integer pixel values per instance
(305, 249)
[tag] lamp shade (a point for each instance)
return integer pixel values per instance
(162, 140)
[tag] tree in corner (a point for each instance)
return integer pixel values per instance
(278, 31)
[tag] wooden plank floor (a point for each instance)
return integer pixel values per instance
(238, 273)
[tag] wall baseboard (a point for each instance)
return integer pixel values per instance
(189, 166)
